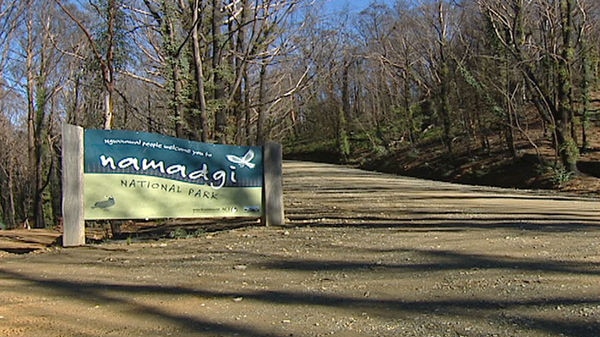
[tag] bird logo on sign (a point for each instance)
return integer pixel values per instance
(105, 204)
(245, 161)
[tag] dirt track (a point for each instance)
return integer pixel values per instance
(363, 254)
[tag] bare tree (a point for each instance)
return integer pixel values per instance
(104, 48)
(11, 166)
(42, 81)
(199, 71)
(540, 36)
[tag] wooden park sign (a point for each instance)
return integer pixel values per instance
(116, 174)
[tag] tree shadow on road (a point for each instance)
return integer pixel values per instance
(501, 311)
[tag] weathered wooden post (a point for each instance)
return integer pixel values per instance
(72, 182)
(273, 214)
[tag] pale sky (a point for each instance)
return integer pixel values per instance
(353, 5)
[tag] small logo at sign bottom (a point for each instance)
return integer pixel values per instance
(252, 209)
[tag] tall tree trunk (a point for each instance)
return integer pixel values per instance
(508, 105)
(240, 107)
(36, 97)
(568, 150)
(261, 125)
(203, 116)
(107, 64)
(444, 104)
(343, 113)
(585, 92)
(410, 120)
(7, 196)
(108, 106)
(177, 94)
(444, 76)
(219, 85)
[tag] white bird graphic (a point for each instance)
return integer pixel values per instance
(243, 161)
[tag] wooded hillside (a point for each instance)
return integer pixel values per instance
(478, 77)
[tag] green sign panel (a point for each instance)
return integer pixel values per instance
(138, 175)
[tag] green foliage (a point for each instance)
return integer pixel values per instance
(226, 73)
(432, 134)
(558, 174)
(481, 90)
(199, 232)
(112, 10)
(569, 154)
(344, 145)
(470, 79)
(178, 233)
(380, 151)
(414, 153)
(570, 147)
(561, 175)
(182, 233)
(214, 105)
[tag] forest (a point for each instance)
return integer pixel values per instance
(481, 75)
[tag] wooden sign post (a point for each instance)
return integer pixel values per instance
(273, 214)
(72, 182)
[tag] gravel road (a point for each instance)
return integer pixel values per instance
(362, 254)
